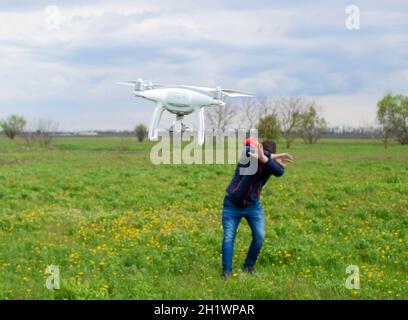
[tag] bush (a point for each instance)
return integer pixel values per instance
(13, 126)
(312, 125)
(41, 131)
(141, 132)
(392, 114)
(269, 127)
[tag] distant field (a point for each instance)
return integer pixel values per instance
(120, 227)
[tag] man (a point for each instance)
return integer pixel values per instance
(243, 200)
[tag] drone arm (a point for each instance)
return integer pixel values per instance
(200, 126)
(157, 114)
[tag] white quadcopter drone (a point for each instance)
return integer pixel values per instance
(181, 100)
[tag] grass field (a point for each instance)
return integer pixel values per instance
(119, 227)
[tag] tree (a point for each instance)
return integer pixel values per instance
(392, 114)
(251, 112)
(312, 125)
(141, 132)
(269, 127)
(255, 109)
(41, 131)
(291, 114)
(45, 130)
(220, 117)
(385, 134)
(13, 125)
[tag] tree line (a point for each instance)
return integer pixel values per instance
(285, 117)
(299, 117)
(39, 132)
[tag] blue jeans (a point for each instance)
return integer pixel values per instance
(231, 217)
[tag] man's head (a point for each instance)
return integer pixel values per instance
(269, 145)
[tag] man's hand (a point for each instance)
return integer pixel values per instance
(282, 157)
(259, 154)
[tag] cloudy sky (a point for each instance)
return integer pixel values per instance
(61, 59)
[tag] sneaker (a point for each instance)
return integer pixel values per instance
(226, 274)
(249, 269)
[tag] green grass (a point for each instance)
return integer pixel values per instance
(119, 227)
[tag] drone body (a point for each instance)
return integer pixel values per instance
(181, 100)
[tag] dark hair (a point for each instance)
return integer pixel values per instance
(269, 145)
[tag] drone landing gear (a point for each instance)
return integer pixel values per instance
(178, 125)
(158, 112)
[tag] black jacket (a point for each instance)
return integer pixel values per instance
(244, 190)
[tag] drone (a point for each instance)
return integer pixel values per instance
(181, 100)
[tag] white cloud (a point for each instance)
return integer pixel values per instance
(271, 82)
(281, 48)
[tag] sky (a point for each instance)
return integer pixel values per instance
(61, 60)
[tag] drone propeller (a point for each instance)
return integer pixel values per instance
(141, 84)
(128, 83)
(237, 93)
(227, 92)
